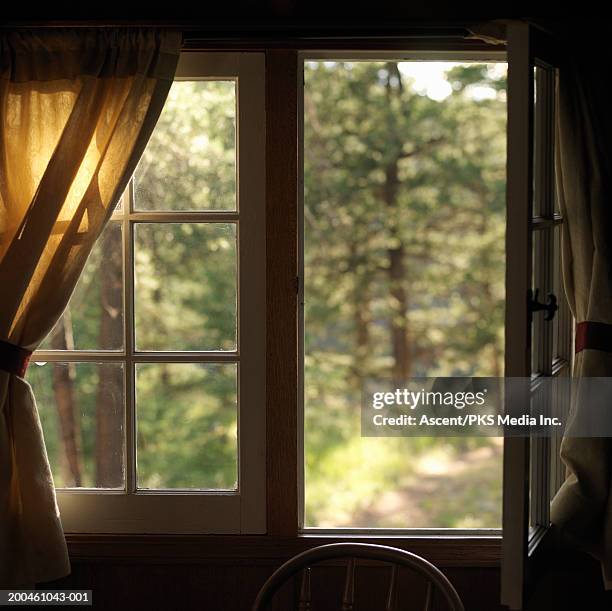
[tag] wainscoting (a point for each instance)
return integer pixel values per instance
(225, 573)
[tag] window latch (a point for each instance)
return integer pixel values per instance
(550, 307)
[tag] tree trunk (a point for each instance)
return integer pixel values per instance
(109, 443)
(67, 408)
(361, 318)
(400, 344)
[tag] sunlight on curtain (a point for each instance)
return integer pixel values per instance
(76, 110)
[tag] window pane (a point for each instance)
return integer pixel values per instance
(93, 319)
(543, 279)
(559, 322)
(538, 207)
(404, 277)
(537, 265)
(190, 160)
(187, 425)
(544, 204)
(81, 407)
(186, 286)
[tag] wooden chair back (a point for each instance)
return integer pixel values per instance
(352, 552)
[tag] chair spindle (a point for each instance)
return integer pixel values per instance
(391, 595)
(304, 602)
(348, 599)
(428, 597)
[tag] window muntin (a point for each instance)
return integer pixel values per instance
(186, 287)
(336, 483)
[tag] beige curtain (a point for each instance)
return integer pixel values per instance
(582, 510)
(76, 110)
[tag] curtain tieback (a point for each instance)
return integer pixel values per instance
(593, 336)
(14, 359)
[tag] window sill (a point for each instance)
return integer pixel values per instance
(443, 550)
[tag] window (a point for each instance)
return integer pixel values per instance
(152, 387)
(536, 345)
(551, 339)
(404, 277)
(150, 382)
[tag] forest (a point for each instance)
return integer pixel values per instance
(404, 228)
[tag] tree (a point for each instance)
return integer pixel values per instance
(404, 220)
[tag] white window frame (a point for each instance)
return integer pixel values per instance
(243, 510)
(532, 467)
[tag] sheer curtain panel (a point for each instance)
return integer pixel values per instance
(76, 110)
(582, 509)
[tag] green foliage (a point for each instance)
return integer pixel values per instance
(189, 162)
(187, 426)
(185, 286)
(86, 303)
(86, 384)
(387, 169)
(185, 276)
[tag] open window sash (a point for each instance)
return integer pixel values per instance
(529, 464)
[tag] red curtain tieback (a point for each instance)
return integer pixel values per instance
(14, 359)
(593, 336)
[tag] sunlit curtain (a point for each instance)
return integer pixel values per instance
(76, 110)
(582, 510)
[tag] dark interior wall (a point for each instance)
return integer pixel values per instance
(281, 17)
(232, 586)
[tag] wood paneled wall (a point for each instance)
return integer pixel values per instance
(232, 586)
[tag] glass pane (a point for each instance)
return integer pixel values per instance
(187, 425)
(538, 209)
(93, 319)
(81, 407)
(543, 279)
(539, 462)
(190, 160)
(186, 286)
(559, 321)
(556, 203)
(536, 280)
(544, 204)
(404, 277)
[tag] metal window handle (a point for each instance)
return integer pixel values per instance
(550, 307)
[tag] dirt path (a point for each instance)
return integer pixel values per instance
(447, 490)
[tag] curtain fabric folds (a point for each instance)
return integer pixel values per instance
(582, 509)
(76, 110)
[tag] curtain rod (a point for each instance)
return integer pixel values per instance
(223, 27)
(259, 36)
